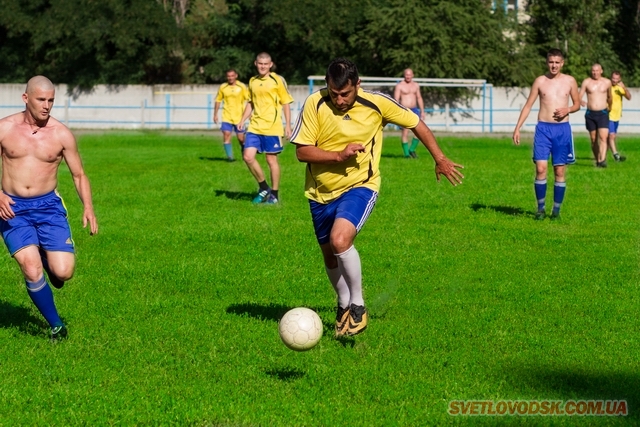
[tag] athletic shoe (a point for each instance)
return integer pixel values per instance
(601, 164)
(342, 321)
(555, 216)
(230, 159)
(262, 196)
(540, 215)
(272, 200)
(413, 154)
(618, 158)
(358, 318)
(59, 333)
(55, 282)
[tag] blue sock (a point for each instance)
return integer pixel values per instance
(540, 186)
(558, 195)
(41, 295)
(228, 149)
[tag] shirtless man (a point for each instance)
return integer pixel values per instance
(598, 90)
(407, 93)
(553, 131)
(33, 219)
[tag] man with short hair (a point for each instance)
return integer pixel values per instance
(598, 90)
(618, 90)
(33, 218)
(407, 93)
(553, 132)
(269, 98)
(233, 94)
(339, 135)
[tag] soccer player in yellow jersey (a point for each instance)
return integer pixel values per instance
(339, 135)
(234, 94)
(618, 90)
(269, 98)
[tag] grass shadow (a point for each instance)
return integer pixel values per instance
(285, 374)
(273, 312)
(235, 195)
(507, 210)
(393, 156)
(216, 159)
(14, 316)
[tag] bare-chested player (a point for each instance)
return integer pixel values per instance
(33, 219)
(598, 90)
(553, 131)
(407, 93)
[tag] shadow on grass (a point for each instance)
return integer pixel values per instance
(13, 316)
(507, 210)
(273, 312)
(580, 385)
(393, 156)
(285, 374)
(235, 195)
(215, 159)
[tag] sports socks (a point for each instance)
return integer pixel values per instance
(559, 189)
(42, 296)
(405, 148)
(414, 145)
(228, 149)
(263, 186)
(339, 285)
(275, 193)
(351, 270)
(540, 187)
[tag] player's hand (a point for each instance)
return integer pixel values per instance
(6, 213)
(287, 132)
(583, 103)
(90, 218)
(516, 137)
(215, 119)
(560, 114)
(350, 151)
(240, 126)
(450, 170)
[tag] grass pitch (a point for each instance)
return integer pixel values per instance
(173, 310)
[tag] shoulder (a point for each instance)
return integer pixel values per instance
(376, 100)
(61, 132)
(242, 85)
(8, 123)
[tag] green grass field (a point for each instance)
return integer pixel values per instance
(173, 310)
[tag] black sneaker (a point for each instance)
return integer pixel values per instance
(358, 319)
(59, 333)
(540, 215)
(555, 216)
(618, 158)
(55, 282)
(601, 164)
(413, 154)
(342, 321)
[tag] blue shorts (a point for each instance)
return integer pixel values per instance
(613, 126)
(263, 143)
(228, 127)
(554, 139)
(416, 110)
(595, 120)
(40, 221)
(355, 206)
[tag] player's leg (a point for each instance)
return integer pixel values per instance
(404, 136)
(240, 135)
(251, 146)
(603, 135)
(595, 149)
(226, 129)
(563, 154)
(540, 187)
(559, 189)
(613, 130)
(542, 144)
(274, 168)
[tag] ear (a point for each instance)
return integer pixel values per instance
(25, 98)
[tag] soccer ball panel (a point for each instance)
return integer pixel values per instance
(300, 329)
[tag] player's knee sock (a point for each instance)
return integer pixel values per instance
(42, 296)
(263, 186)
(275, 193)
(351, 270)
(559, 189)
(540, 186)
(339, 285)
(405, 148)
(414, 144)
(228, 149)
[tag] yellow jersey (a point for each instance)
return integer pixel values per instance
(234, 98)
(322, 125)
(267, 95)
(616, 103)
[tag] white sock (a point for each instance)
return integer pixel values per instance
(349, 265)
(339, 285)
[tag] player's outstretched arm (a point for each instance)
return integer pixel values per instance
(444, 166)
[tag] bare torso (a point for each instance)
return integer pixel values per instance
(554, 93)
(597, 91)
(30, 155)
(408, 93)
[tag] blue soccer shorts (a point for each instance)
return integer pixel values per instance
(263, 143)
(555, 140)
(228, 127)
(40, 221)
(613, 126)
(355, 206)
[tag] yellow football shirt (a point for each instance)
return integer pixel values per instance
(234, 98)
(616, 103)
(322, 125)
(268, 95)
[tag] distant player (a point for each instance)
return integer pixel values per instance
(553, 131)
(407, 93)
(339, 135)
(234, 94)
(598, 90)
(33, 218)
(618, 90)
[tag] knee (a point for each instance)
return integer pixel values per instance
(340, 243)
(32, 272)
(64, 271)
(248, 158)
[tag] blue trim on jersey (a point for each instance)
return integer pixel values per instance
(555, 140)
(268, 144)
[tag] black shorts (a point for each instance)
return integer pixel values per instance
(596, 120)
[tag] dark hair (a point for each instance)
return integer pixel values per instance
(555, 52)
(342, 71)
(231, 70)
(616, 72)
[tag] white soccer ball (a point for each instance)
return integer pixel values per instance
(300, 329)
